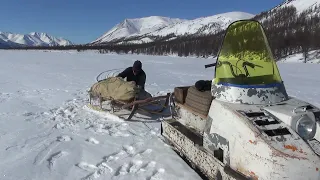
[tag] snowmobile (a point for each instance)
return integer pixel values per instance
(245, 126)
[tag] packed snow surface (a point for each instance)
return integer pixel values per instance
(312, 57)
(47, 133)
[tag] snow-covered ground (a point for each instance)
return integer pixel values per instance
(46, 133)
(313, 57)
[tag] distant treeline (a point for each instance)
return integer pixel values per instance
(288, 33)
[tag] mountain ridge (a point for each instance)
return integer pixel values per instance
(136, 26)
(175, 26)
(9, 39)
(198, 26)
(300, 5)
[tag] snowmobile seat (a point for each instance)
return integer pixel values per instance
(198, 101)
(180, 94)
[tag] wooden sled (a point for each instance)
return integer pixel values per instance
(131, 107)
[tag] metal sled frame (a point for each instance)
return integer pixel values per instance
(133, 106)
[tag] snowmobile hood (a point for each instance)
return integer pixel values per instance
(246, 71)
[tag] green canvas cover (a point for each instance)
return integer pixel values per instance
(115, 88)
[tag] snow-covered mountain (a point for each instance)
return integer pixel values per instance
(308, 7)
(300, 5)
(136, 27)
(8, 39)
(204, 25)
(150, 28)
(162, 28)
(5, 44)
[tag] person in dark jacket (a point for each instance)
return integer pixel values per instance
(135, 73)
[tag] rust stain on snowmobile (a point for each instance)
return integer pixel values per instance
(282, 154)
(250, 174)
(301, 151)
(253, 142)
(254, 176)
(293, 148)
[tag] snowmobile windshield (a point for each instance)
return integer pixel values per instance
(245, 57)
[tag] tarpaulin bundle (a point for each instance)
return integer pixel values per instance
(115, 88)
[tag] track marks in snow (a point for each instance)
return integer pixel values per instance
(31, 141)
(38, 92)
(114, 129)
(130, 160)
(64, 114)
(119, 130)
(45, 152)
(101, 169)
(115, 156)
(64, 138)
(144, 153)
(87, 167)
(71, 115)
(4, 97)
(157, 174)
(129, 149)
(93, 140)
(123, 170)
(54, 157)
(140, 167)
(147, 166)
(30, 116)
(135, 166)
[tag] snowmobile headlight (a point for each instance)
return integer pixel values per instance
(306, 127)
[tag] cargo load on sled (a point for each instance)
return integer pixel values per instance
(115, 88)
(245, 126)
(124, 99)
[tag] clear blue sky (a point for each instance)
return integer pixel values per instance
(82, 21)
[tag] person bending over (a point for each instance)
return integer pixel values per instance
(135, 73)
